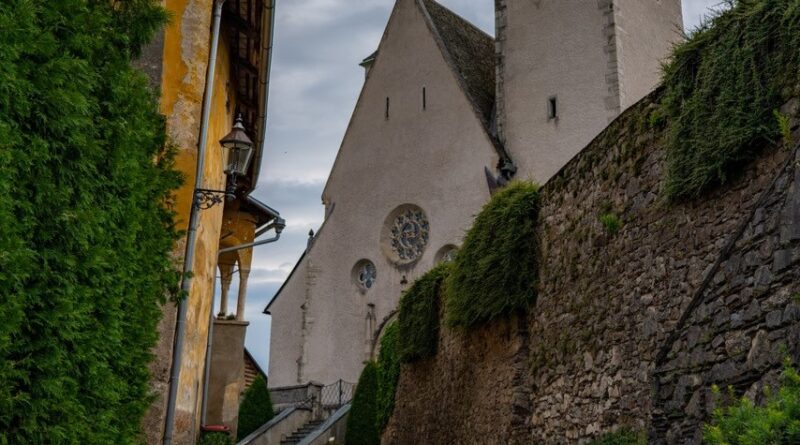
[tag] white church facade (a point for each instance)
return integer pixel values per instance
(445, 114)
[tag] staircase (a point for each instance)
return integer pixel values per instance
(301, 433)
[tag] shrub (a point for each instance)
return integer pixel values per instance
(721, 88)
(611, 223)
(362, 426)
(215, 438)
(85, 231)
(620, 437)
(388, 374)
(743, 423)
(495, 272)
(419, 315)
(255, 409)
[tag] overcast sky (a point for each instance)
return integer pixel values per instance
(314, 84)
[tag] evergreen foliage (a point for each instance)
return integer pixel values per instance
(495, 271)
(256, 408)
(722, 86)
(419, 315)
(362, 428)
(777, 423)
(620, 437)
(388, 374)
(85, 233)
(215, 438)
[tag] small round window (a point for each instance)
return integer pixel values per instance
(364, 274)
(446, 254)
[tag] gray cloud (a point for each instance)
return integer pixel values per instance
(314, 84)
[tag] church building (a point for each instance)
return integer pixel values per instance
(446, 115)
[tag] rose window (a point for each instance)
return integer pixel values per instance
(365, 274)
(409, 235)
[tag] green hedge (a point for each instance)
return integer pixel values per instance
(214, 438)
(777, 423)
(388, 374)
(419, 315)
(621, 437)
(255, 409)
(362, 428)
(85, 234)
(495, 271)
(722, 86)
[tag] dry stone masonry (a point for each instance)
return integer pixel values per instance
(632, 327)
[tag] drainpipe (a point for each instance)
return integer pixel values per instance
(188, 259)
(278, 225)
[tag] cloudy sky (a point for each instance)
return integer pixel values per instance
(313, 88)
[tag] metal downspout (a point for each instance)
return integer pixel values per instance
(207, 364)
(188, 259)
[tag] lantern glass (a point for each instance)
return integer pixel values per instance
(237, 149)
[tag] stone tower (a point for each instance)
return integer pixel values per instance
(566, 68)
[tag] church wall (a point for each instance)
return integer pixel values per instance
(433, 158)
(630, 328)
(576, 52)
(548, 52)
(286, 335)
(645, 33)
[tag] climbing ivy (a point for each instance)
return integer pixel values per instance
(419, 315)
(623, 436)
(85, 234)
(388, 374)
(495, 271)
(721, 87)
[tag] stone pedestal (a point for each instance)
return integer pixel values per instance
(227, 373)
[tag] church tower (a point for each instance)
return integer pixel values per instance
(567, 68)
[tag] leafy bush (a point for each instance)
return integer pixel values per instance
(721, 88)
(215, 439)
(495, 272)
(611, 223)
(419, 315)
(255, 409)
(362, 428)
(85, 235)
(777, 423)
(388, 374)
(620, 437)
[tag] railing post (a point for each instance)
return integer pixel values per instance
(340, 392)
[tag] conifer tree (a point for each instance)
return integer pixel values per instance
(85, 229)
(255, 409)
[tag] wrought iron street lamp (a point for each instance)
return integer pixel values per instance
(237, 150)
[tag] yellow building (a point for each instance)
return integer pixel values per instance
(179, 62)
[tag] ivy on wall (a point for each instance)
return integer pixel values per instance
(419, 315)
(495, 271)
(721, 89)
(85, 236)
(388, 374)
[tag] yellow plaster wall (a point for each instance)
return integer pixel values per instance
(185, 58)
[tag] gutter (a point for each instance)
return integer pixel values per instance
(262, 117)
(191, 238)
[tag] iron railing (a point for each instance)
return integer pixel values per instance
(337, 394)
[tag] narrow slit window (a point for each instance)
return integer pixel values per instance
(386, 113)
(424, 99)
(552, 108)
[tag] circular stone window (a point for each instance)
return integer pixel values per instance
(364, 274)
(446, 254)
(405, 234)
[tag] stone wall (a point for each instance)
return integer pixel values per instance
(694, 293)
(465, 394)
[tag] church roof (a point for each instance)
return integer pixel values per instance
(470, 52)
